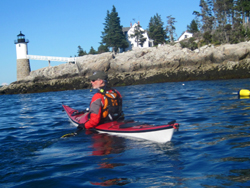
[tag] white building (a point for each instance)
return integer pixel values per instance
(185, 35)
(128, 31)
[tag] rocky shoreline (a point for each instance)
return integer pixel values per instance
(141, 66)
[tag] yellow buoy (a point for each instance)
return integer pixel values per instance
(244, 92)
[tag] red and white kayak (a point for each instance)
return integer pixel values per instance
(159, 133)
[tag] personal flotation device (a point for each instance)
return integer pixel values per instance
(112, 107)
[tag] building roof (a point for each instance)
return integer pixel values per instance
(183, 33)
(21, 35)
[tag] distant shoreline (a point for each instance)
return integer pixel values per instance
(142, 66)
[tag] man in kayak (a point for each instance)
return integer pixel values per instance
(106, 104)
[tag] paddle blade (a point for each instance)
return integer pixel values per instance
(68, 135)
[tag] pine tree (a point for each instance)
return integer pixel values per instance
(223, 13)
(206, 15)
(102, 48)
(170, 27)
(156, 30)
(105, 34)
(223, 21)
(138, 35)
(80, 51)
(193, 27)
(92, 50)
(112, 35)
(243, 6)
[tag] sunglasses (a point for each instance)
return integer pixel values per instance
(94, 80)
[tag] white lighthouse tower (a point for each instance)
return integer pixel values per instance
(23, 64)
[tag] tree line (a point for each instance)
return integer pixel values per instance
(219, 22)
(113, 37)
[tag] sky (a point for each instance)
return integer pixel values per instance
(58, 27)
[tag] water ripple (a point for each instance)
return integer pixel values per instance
(210, 149)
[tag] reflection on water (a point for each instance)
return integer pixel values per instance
(115, 181)
(104, 145)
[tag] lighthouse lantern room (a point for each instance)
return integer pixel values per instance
(21, 46)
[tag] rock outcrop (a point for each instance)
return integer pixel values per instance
(165, 63)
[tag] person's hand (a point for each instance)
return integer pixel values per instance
(81, 127)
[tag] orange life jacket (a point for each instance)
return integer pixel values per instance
(112, 107)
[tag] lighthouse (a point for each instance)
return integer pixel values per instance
(23, 64)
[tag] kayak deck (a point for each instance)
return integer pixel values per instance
(131, 126)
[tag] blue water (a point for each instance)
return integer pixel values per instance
(211, 148)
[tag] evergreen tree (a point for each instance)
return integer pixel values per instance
(112, 35)
(193, 27)
(206, 15)
(223, 13)
(156, 30)
(207, 37)
(243, 6)
(170, 27)
(80, 51)
(138, 35)
(105, 34)
(92, 50)
(102, 48)
(223, 21)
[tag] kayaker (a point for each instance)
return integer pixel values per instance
(106, 104)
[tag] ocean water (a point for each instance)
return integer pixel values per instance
(211, 148)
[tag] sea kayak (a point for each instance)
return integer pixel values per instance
(129, 128)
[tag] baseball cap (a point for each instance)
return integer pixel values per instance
(98, 75)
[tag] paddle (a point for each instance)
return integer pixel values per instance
(69, 135)
(79, 129)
